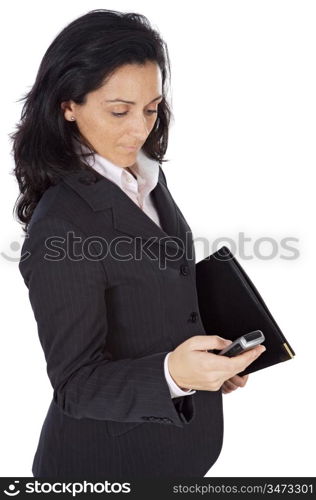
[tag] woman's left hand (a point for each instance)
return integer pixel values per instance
(233, 383)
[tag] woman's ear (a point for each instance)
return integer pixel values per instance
(68, 109)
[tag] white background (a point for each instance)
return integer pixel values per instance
(242, 160)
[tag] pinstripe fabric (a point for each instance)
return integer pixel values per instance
(138, 186)
(106, 317)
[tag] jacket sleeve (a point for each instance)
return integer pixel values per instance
(67, 296)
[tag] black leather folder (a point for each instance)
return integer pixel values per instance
(230, 306)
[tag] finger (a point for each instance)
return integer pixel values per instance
(225, 389)
(206, 342)
(230, 385)
(238, 380)
(241, 361)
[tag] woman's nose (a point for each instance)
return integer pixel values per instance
(139, 129)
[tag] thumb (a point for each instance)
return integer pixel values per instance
(206, 342)
(241, 361)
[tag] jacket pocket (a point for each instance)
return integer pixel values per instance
(117, 428)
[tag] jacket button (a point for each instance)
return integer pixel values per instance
(184, 269)
(193, 317)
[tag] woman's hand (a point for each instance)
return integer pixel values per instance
(233, 383)
(191, 366)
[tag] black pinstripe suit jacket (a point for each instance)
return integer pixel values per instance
(112, 293)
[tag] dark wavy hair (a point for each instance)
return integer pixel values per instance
(80, 58)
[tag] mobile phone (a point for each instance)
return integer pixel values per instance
(243, 343)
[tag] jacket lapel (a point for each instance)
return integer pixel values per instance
(129, 218)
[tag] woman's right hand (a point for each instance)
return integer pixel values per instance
(192, 367)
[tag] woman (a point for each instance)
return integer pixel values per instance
(109, 263)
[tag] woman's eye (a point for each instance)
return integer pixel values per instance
(149, 111)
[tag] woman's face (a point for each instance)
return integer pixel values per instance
(113, 127)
